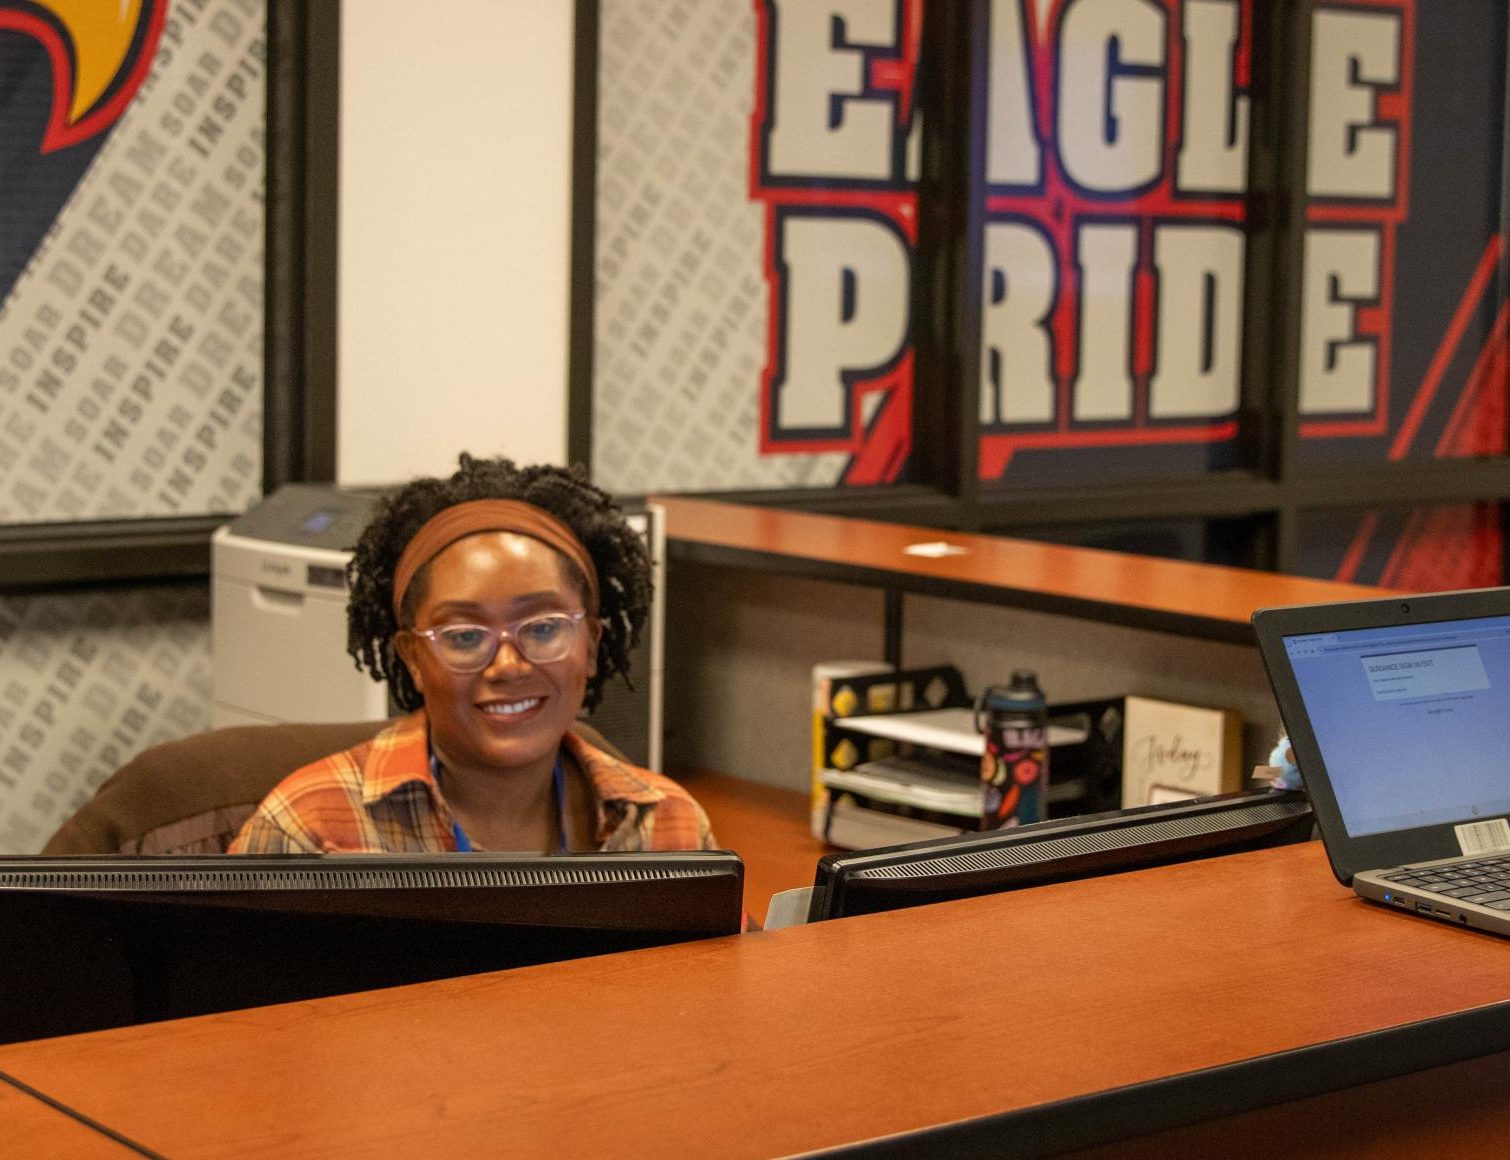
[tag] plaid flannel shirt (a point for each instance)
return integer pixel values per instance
(381, 797)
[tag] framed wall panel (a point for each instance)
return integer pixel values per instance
(753, 228)
(132, 330)
(1115, 244)
(1404, 343)
(1433, 548)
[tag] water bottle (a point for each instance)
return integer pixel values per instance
(1014, 770)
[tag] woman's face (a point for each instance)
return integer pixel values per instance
(511, 713)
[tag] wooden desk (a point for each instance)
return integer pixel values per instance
(767, 826)
(1201, 600)
(39, 1131)
(1062, 1017)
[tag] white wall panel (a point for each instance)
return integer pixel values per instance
(455, 217)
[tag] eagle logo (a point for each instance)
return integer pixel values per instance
(99, 51)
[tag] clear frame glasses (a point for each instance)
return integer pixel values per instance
(470, 648)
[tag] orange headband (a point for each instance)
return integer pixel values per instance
(490, 515)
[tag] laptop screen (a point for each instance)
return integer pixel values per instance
(1413, 721)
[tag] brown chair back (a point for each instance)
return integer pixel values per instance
(191, 796)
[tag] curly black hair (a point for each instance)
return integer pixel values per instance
(617, 551)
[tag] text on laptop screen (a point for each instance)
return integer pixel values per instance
(1413, 721)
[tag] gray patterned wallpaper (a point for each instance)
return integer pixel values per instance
(681, 298)
(86, 682)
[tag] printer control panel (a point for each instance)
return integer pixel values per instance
(307, 515)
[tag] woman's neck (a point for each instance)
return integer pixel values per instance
(514, 809)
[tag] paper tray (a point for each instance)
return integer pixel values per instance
(952, 730)
(937, 792)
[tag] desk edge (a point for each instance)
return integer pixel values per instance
(1085, 608)
(1208, 1094)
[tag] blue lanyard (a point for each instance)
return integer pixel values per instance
(558, 779)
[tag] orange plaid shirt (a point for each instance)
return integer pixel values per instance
(380, 797)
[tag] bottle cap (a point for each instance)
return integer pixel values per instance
(1022, 694)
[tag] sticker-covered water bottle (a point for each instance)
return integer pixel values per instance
(1014, 770)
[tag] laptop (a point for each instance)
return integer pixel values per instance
(1399, 715)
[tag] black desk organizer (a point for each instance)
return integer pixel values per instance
(1084, 777)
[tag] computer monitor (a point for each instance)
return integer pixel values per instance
(93, 942)
(1058, 850)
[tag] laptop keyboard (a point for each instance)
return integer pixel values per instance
(1484, 881)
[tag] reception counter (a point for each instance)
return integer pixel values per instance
(1195, 998)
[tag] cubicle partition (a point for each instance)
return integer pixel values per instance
(762, 595)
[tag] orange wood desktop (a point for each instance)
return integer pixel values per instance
(1072, 1008)
(767, 826)
(1169, 595)
(33, 1129)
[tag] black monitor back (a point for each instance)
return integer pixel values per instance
(101, 942)
(942, 869)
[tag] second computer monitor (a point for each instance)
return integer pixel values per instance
(942, 869)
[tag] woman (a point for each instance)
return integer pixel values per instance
(496, 604)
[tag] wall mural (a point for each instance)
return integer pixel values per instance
(131, 256)
(1424, 549)
(1115, 242)
(1421, 277)
(1113, 301)
(834, 162)
(131, 270)
(753, 252)
(756, 217)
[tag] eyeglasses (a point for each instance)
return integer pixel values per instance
(470, 648)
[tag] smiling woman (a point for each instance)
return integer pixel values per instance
(495, 603)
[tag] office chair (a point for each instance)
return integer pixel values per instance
(191, 796)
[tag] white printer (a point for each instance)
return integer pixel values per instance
(278, 610)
